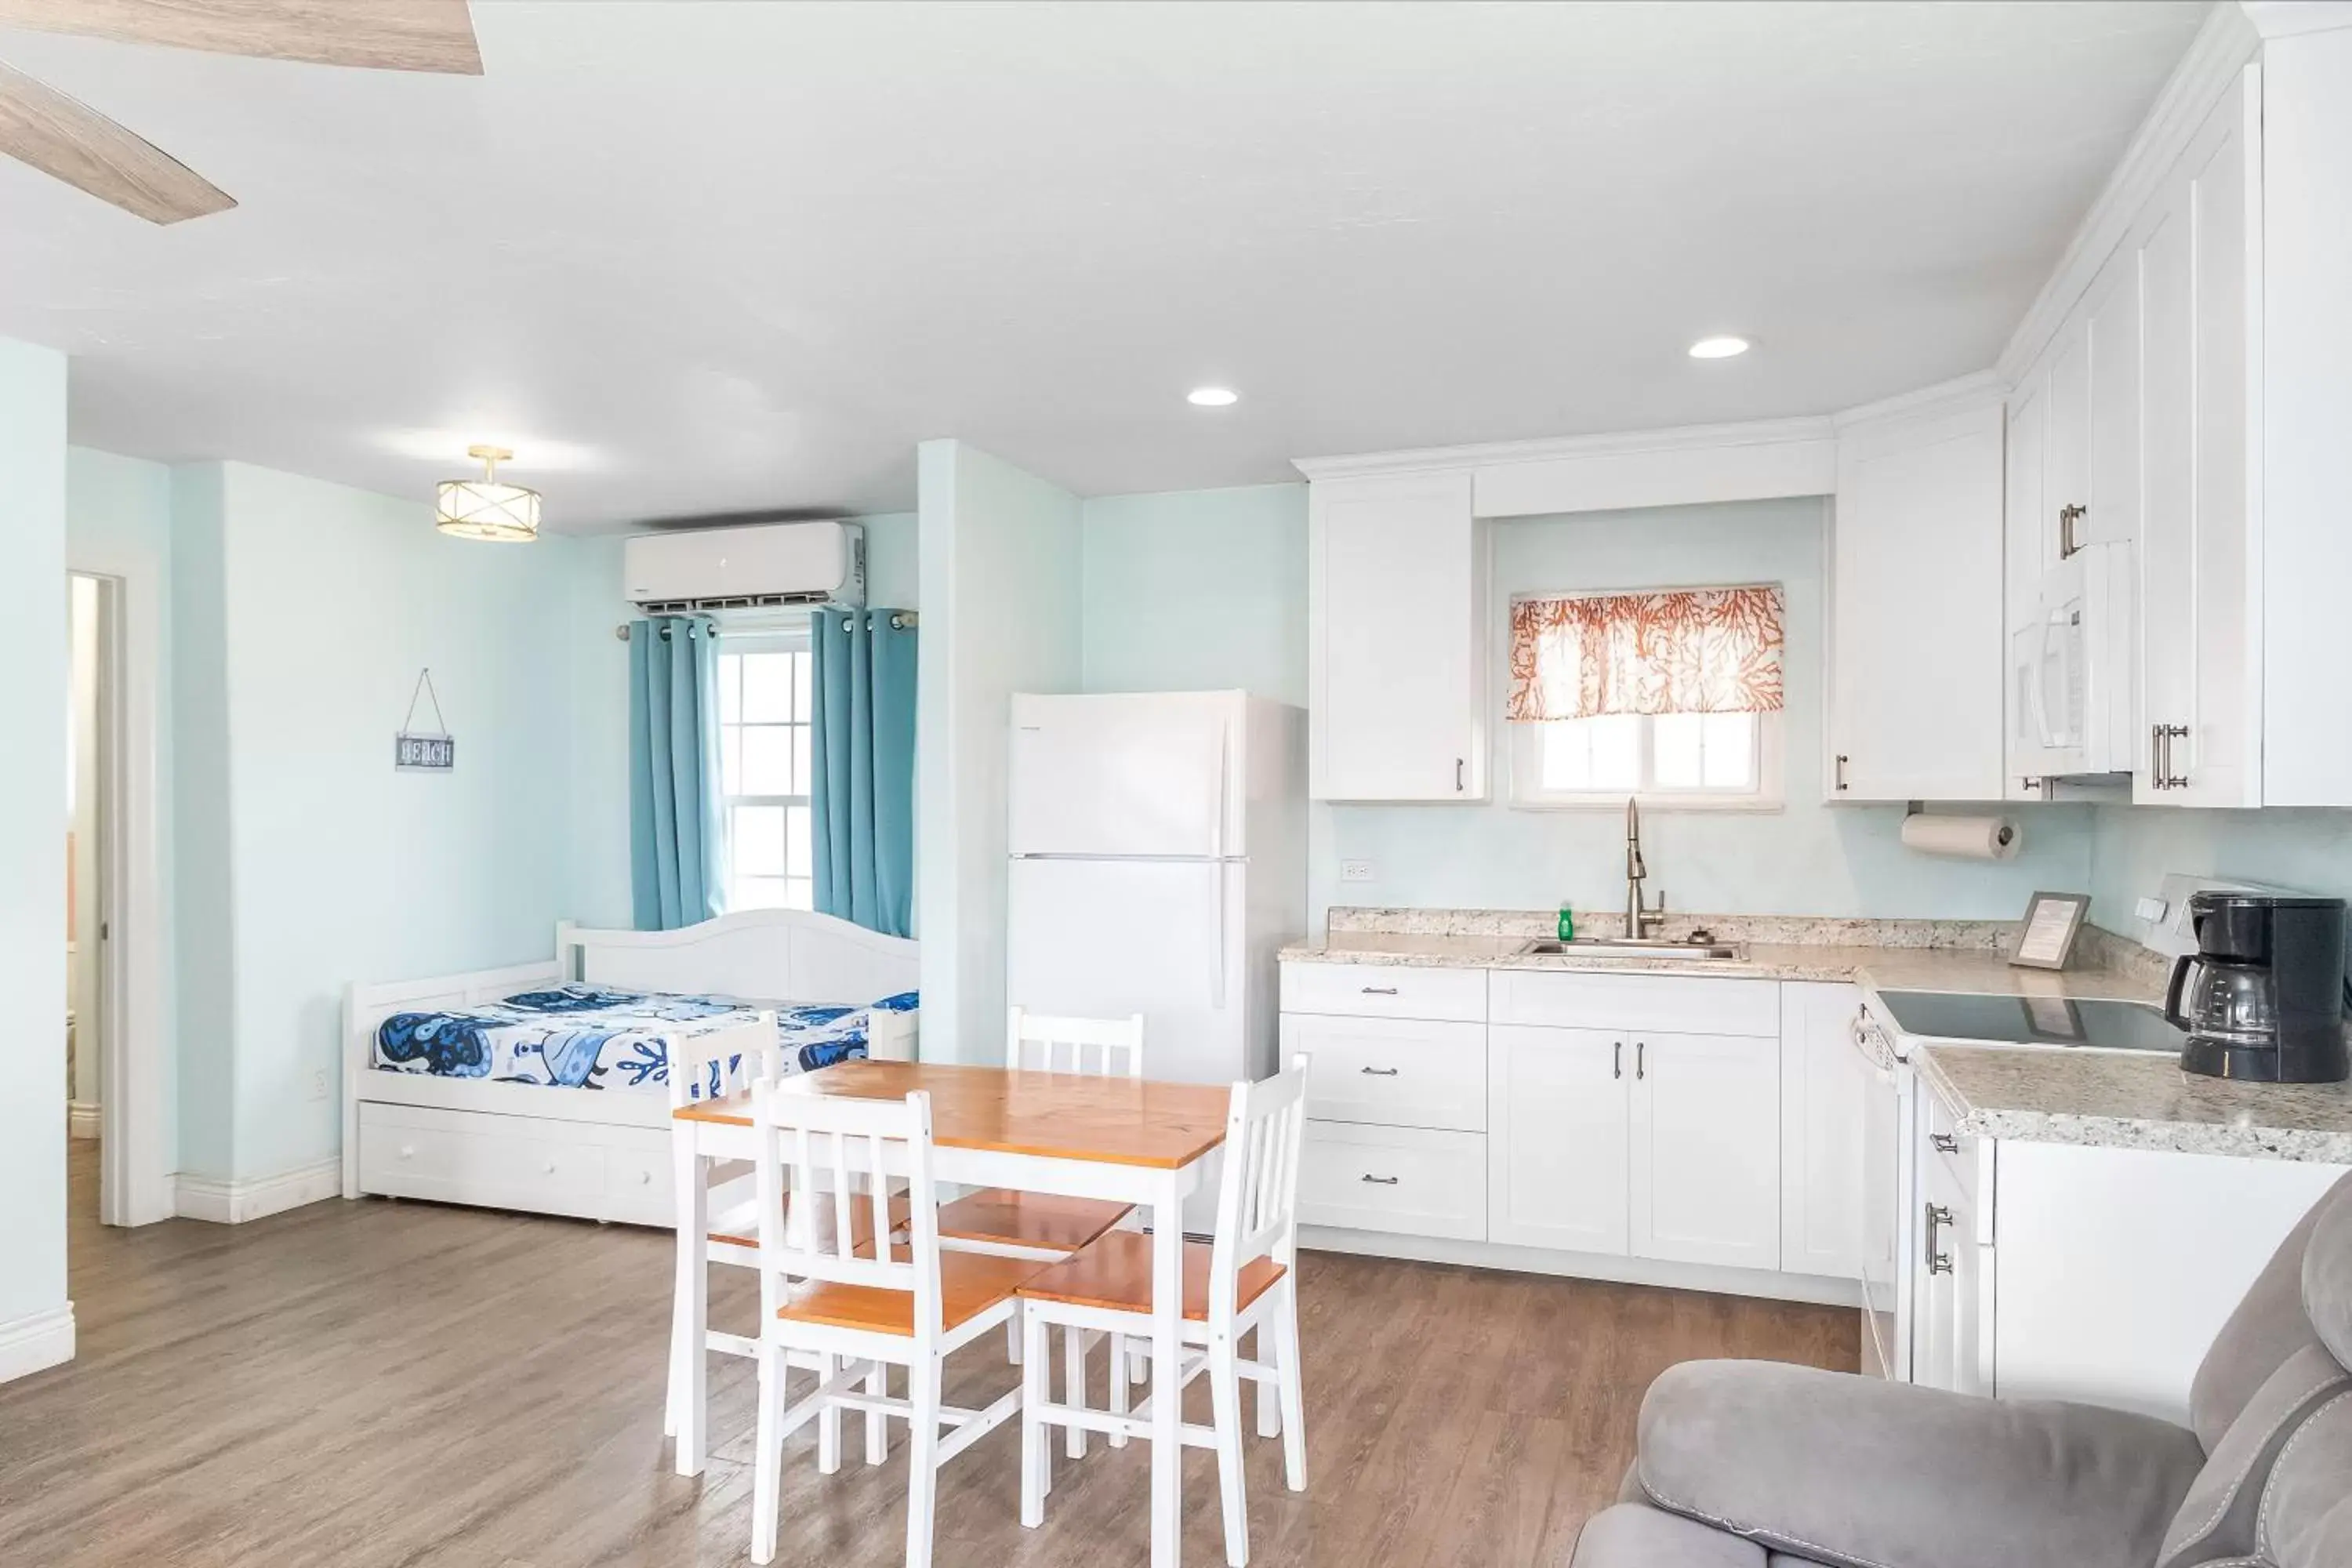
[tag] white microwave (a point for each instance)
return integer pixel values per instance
(2071, 666)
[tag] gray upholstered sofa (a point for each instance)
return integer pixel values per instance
(1750, 1464)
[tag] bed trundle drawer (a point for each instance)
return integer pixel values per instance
(537, 1166)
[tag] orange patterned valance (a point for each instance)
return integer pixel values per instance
(1694, 650)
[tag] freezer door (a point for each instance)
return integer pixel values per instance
(1125, 775)
(1102, 939)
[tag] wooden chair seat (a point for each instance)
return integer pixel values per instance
(739, 1227)
(969, 1284)
(1040, 1220)
(1114, 1272)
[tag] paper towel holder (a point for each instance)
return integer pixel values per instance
(2005, 837)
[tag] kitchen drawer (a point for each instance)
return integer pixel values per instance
(1943, 1146)
(507, 1162)
(1401, 1180)
(1385, 990)
(1663, 1004)
(1392, 1072)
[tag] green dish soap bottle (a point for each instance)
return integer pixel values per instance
(1567, 923)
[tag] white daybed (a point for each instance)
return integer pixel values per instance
(590, 1153)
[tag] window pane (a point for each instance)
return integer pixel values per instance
(759, 840)
(767, 760)
(797, 836)
(1678, 739)
(802, 709)
(762, 893)
(800, 893)
(1731, 750)
(803, 748)
(731, 759)
(767, 688)
(1616, 751)
(731, 689)
(1566, 756)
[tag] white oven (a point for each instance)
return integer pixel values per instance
(1888, 1134)
(2071, 669)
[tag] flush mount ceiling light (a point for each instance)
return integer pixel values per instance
(486, 508)
(1718, 348)
(1213, 397)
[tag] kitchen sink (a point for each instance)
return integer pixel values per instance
(1633, 947)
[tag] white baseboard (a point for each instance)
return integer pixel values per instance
(1769, 1284)
(82, 1119)
(235, 1201)
(43, 1340)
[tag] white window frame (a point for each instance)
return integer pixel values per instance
(762, 634)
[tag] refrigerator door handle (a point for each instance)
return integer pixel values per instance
(1217, 962)
(1224, 797)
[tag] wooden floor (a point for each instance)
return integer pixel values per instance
(376, 1384)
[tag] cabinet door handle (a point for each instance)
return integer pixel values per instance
(1841, 772)
(1617, 1063)
(1641, 1058)
(1382, 1180)
(1380, 990)
(1945, 1142)
(1459, 767)
(2163, 736)
(2068, 517)
(1939, 1217)
(1380, 1072)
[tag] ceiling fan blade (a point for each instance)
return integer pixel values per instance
(382, 35)
(61, 136)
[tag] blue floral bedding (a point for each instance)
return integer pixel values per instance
(588, 1037)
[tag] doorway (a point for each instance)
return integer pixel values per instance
(92, 822)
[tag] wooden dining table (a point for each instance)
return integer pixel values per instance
(1136, 1140)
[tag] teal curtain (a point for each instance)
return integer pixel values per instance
(675, 839)
(862, 779)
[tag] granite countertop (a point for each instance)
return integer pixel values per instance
(2125, 1100)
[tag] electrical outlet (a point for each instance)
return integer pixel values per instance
(1355, 870)
(318, 1084)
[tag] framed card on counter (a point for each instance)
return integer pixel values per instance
(2046, 939)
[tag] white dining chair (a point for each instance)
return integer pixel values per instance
(855, 1309)
(1038, 1224)
(711, 1067)
(1243, 1281)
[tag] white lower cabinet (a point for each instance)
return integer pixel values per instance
(1824, 1097)
(1704, 1151)
(1558, 1111)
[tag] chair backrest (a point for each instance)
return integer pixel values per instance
(1258, 1198)
(823, 1151)
(713, 1064)
(1111, 1047)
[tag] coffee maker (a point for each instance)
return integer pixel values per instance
(2263, 998)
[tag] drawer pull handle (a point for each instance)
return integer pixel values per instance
(1382, 1180)
(1945, 1142)
(1380, 1072)
(548, 1169)
(644, 1178)
(1380, 990)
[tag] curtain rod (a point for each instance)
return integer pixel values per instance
(900, 621)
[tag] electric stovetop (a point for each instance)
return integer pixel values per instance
(2033, 1020)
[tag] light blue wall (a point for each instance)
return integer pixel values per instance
(1198, 590)
(119, 517)
(2307, 849)
(1000, 584)
(893, 567)
(1808, 857)
(33, 815)
(202, 909)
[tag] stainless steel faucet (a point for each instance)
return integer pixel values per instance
(1640, 920)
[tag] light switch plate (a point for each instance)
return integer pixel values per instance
(1355, 870)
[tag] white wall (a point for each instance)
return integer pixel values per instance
(999, 594)
(32, 855)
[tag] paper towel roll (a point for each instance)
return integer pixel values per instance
(1965, 838)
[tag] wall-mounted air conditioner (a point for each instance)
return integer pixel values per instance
(763, 564)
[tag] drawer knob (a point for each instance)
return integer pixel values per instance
(1380, 990)
(1381, 1181)
(1380, 1072)
(644, 1178)
(408, 1151)
(549, 1168)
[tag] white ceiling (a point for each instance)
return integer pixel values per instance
(698, 259)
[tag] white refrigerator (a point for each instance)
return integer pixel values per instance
(1158, 846)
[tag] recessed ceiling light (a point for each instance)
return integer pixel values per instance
(1213, 397)
(1718, 348)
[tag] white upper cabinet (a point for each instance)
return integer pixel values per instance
(1396, 608)
(2202, 699)
(2030, 547)
(1917, 646)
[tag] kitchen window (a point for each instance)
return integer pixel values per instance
(764, 754)
(1673, 696)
